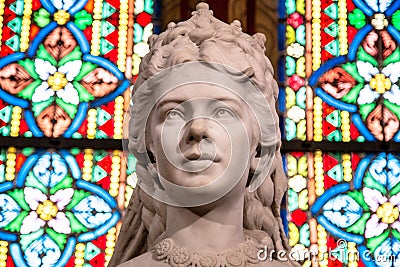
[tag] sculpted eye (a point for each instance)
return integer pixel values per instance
(224, 113)
(173, 114)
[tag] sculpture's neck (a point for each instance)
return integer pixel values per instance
(212, 228)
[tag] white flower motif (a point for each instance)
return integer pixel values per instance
(71, 69)
(33, 198)
(47, 210)
(374, 227)
(366, 70)
(296, 113)
(297, 183)
(367, 95)
(385, 212)
(379, 83)
(392, 71)
(65, 4)
(57, 81)
(44, 68)
(393, 95)
(60, 224)
(295, 50)
(396, 225)
(42, 93)
(69, 94)
(31, 223)
(379, 6)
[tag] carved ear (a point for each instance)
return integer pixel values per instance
(254, 161)
(255, 158)
(150, 151)
(151, 156)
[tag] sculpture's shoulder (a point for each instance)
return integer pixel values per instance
(143, 260)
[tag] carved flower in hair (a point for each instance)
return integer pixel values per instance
(365, 84)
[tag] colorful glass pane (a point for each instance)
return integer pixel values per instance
(65, 67)
(59, 204)
(143, 29)
(58, 68)
(344, 199)
(341, 54)
(339, 83)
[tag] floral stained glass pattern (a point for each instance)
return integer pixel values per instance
(49, 209)
(65, 67)
(58, 85)
(368, 214)
(314, 177)
(340, 83)
(143, 29)
(347, 59)
(366, 83)
(348, 199)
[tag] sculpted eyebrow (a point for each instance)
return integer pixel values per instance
(168, 101)
(228, 99)
(178, 101)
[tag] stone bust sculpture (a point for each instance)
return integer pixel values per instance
(204, 130)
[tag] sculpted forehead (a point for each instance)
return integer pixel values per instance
(199, 80)
(199, 90)
(198, 76)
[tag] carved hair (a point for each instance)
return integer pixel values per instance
(205, 38)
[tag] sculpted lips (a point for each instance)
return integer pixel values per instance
(196, 160)
(196, 156)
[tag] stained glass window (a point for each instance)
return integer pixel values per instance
(65, 72)
(340, 104)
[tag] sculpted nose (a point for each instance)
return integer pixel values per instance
(197, 130)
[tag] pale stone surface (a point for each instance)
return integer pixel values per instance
(207, 141)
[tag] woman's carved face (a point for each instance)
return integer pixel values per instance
(200, 134)
(201, 125)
